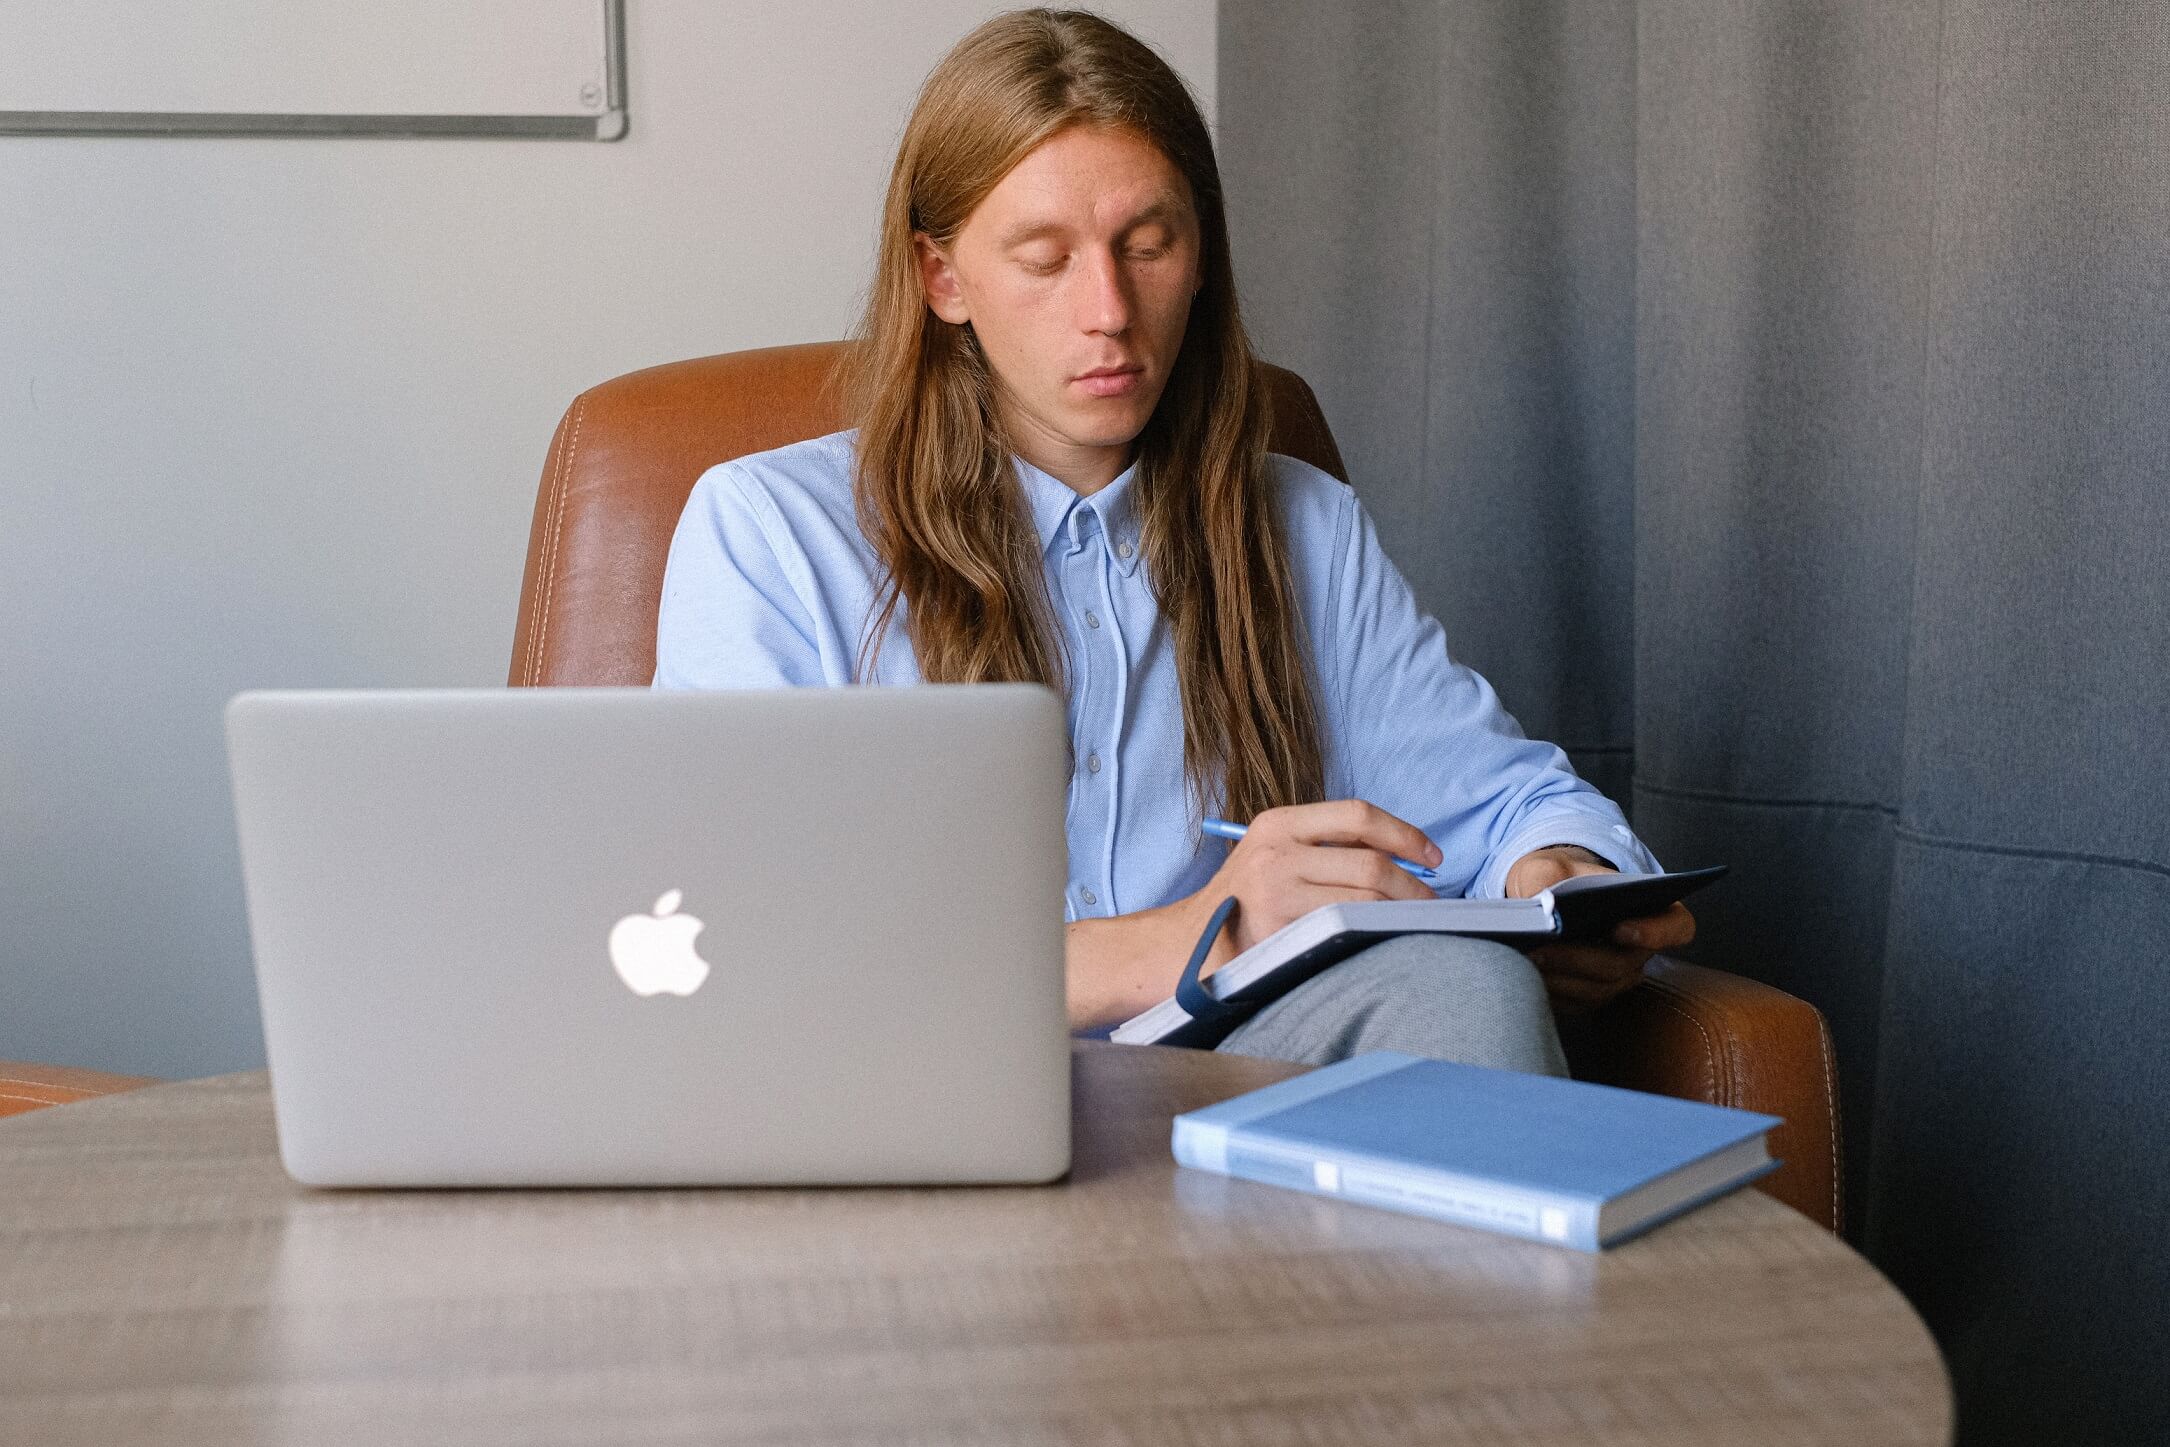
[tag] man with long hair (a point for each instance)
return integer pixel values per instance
(1058, 474)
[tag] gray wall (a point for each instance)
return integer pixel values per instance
(272, 413)
(1783, 391)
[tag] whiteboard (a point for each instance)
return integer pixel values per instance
(544, 68)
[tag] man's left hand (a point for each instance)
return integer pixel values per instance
(1581, 977)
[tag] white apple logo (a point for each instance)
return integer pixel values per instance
(654, 954)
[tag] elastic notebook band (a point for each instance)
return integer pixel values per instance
(1189, 993)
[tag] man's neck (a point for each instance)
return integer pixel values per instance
(1084, 470)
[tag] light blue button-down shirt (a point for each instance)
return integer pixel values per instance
(770, 582)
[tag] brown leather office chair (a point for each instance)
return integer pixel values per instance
(620, 467)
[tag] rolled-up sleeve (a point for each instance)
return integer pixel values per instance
(730, 617)
(1427, 739)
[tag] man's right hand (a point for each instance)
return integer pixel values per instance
(1294, 859)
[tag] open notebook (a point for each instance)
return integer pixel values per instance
(1583, 908)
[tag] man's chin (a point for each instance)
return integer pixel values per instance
(1115, 422)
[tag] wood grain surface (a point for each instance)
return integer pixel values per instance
(161, 1281)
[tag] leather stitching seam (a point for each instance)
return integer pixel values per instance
(1664, 995)
(1830, 1102)
(49, 1085)
(557, 523)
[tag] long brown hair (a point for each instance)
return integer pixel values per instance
(936, 492)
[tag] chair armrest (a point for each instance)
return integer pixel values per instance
(27, 1087)
(1703, 1034)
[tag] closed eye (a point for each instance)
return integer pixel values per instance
(1051, 267)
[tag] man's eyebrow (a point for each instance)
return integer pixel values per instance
(1163, 208)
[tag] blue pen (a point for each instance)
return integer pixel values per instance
(1222, 829)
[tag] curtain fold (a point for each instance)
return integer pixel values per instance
(1774, 402)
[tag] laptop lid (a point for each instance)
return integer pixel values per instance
(623, 937)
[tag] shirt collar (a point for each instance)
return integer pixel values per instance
(1054, 502)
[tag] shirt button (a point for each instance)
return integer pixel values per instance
(1088, 896)
(1092, 619)
(1124, 549)
(1092, 763)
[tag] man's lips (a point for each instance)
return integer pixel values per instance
(1111, 383)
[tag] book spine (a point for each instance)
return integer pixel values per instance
(1463, 1200)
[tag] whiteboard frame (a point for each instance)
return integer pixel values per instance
(609, 125)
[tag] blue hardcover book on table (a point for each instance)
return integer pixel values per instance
(1554, 1160)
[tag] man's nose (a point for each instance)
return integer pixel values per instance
(1107, 305)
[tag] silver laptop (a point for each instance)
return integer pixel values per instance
(616, 937)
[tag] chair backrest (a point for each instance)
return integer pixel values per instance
(629, 451)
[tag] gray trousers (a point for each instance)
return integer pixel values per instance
(1445, 996)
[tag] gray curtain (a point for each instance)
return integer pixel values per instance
(1773, 400)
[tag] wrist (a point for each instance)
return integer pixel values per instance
(1119, 965)
(1543, 867)
(1577, 852)
(1189, 918)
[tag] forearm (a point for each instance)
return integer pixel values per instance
(1118, 966)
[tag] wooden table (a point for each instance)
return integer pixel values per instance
(162, 1281)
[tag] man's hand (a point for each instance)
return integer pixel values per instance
(1293, 860)
(1580, 977)
(1301, 856)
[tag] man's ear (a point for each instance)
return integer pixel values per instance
(938, 281)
